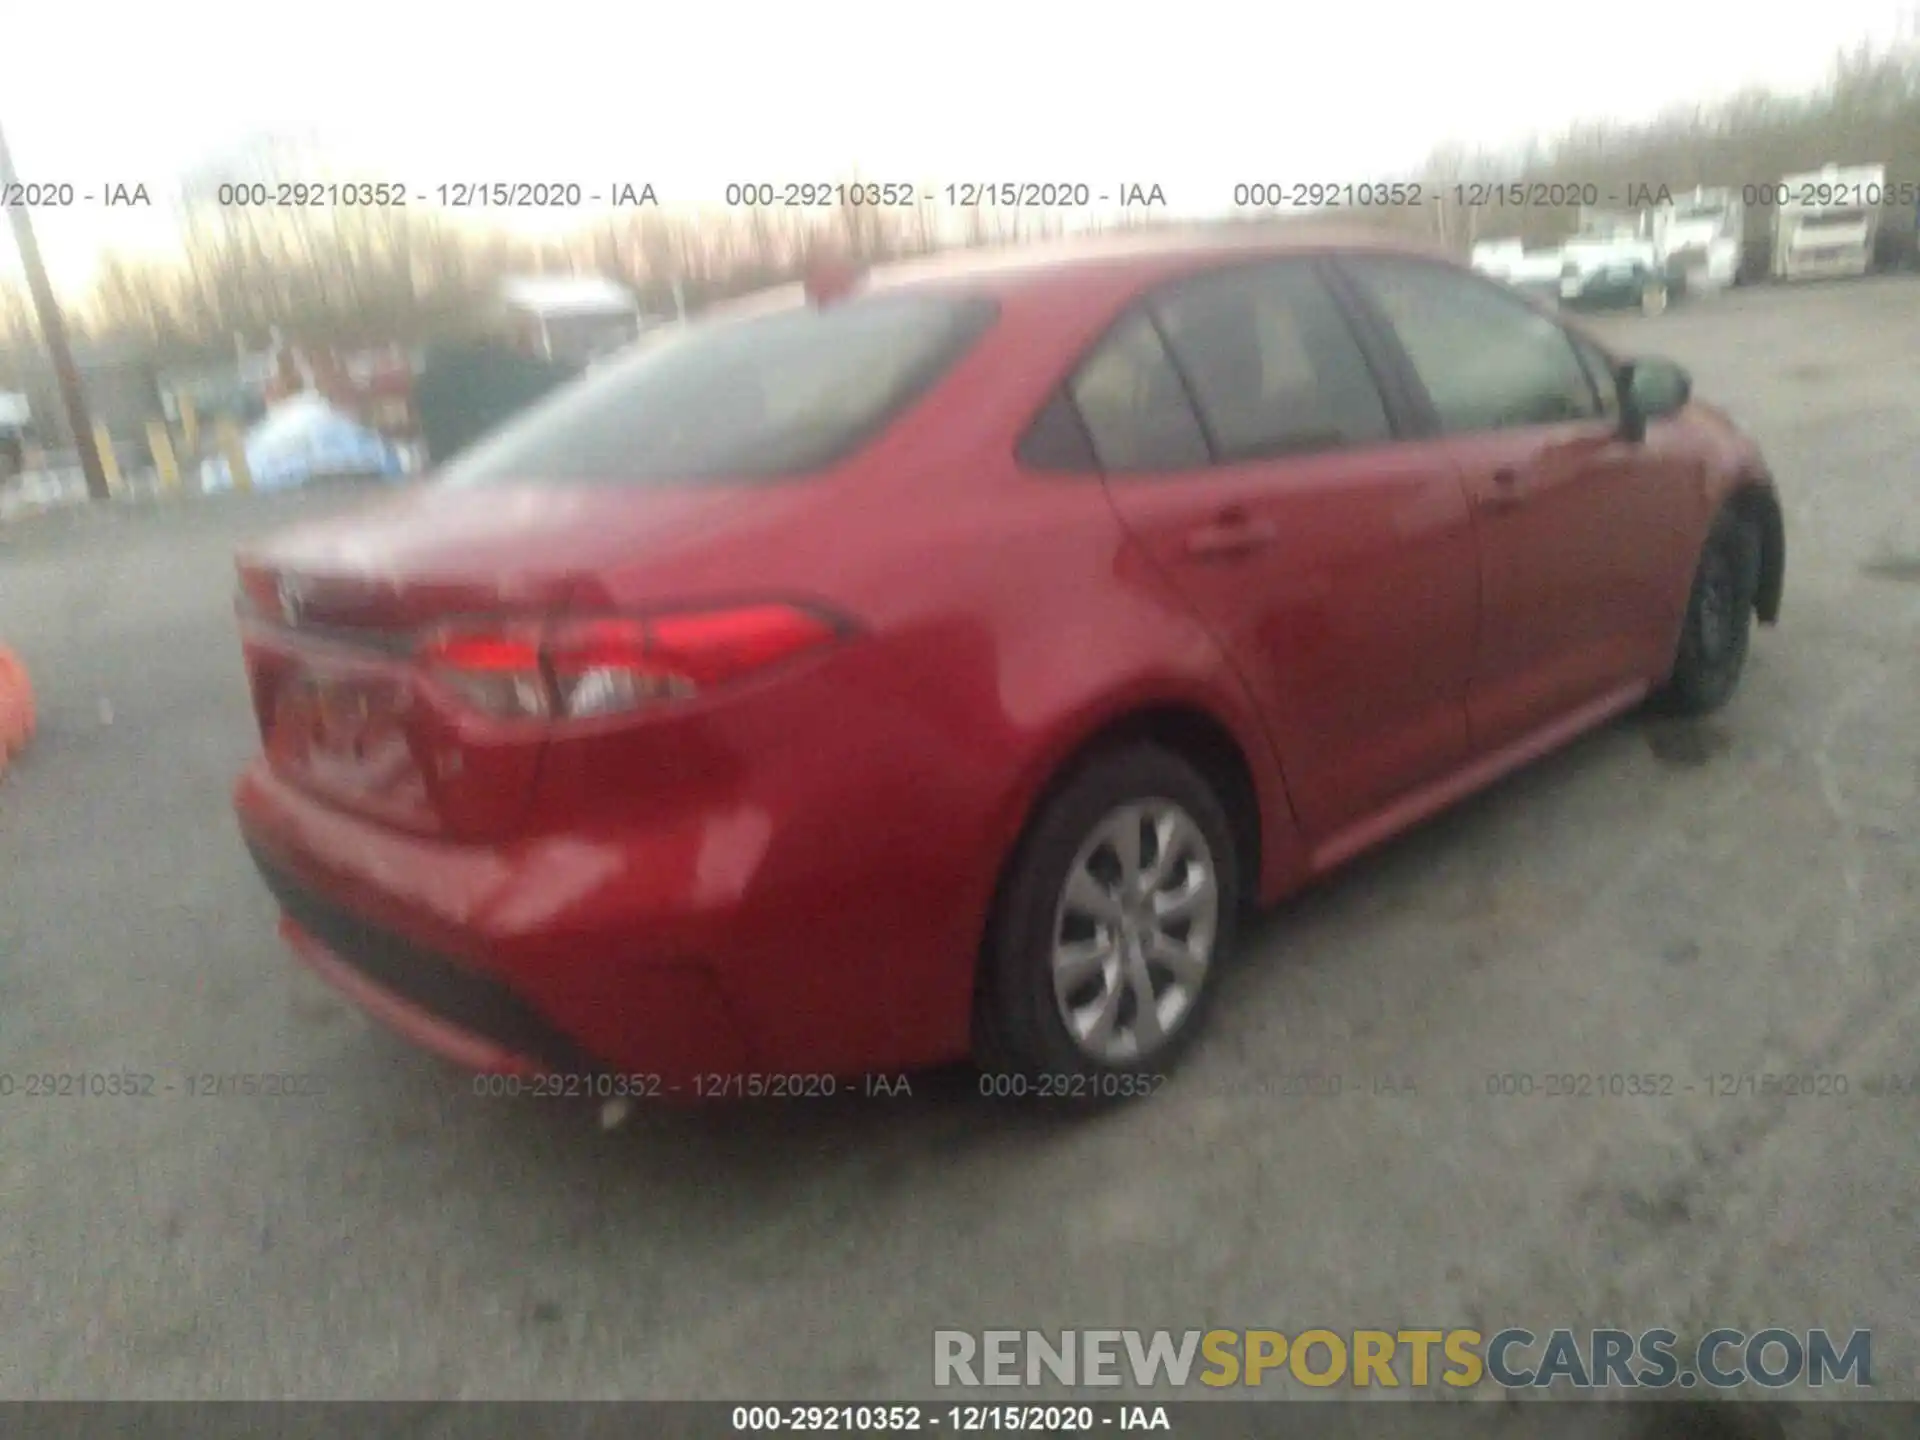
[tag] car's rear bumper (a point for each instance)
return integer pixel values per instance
(456, 1012)
(430, 1031)
(679, 946)
(487, 955)
(1619, 293)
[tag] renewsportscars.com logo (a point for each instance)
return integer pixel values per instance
(1513, 1359)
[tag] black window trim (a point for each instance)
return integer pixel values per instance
(1429, 418)
(1148, 305)
(1061, 396)
(1063, 391)
(1379, 371)
(1407, 408)
(1583, 343)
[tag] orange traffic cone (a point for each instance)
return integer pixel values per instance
(16, 707)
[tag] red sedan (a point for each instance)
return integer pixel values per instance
(941, 663)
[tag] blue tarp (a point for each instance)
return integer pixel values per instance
(304, 438)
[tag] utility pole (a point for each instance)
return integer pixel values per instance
(53, 329)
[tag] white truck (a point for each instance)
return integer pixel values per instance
(1702, 236)
(1535, 272)
(1498, 257)
(1826, 221)
(1512, 261)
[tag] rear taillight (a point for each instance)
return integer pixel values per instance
(259, 593)
(577, 669)
(498, 670)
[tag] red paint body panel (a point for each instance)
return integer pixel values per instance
(1353, 626)
(1587, 546)
(794, 875)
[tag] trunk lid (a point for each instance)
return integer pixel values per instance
(331, 614)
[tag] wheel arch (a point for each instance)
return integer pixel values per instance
(1185, 727)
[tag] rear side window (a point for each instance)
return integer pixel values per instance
(757, 397)
(1274, 367)
(1057, 440)
(1134, 404)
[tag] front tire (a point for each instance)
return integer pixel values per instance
(1718, 629)
(1105, 947)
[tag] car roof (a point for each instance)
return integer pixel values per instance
(1098, 268)
(1136, 256)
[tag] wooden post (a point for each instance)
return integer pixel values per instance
(109, 462)
(164, 463)
(235, 449)
(189, 427)
(53, 329)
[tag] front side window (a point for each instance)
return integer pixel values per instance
(1606, 383)
(1274, 367)
(766, 395)
(1487, 360)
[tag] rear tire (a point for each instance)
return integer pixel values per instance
(1718, 629)
(1090, 925)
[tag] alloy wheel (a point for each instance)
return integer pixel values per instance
(1134, 931)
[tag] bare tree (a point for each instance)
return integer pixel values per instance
(1868, 111)
(18, 331)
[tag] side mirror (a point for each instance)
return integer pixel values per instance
(1651, 389)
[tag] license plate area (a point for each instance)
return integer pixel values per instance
(338, 717)
(345, 736)
(361, 731)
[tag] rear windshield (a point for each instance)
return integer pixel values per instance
(759, 396)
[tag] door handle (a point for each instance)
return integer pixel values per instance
(1505, 493)
(1231, 535)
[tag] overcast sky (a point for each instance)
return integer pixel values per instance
(1194, 97)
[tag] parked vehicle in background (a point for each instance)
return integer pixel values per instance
(1535, 272)
(1612, 263)
(570, 319)
(1825, 222)
(467, 389)
(1702, 236)
(943, 662)
(1498, 257)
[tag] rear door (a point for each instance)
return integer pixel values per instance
(1249, 446)
(1577, 526)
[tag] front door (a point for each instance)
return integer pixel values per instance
(1576, 525)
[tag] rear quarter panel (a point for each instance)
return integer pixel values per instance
(850, 819)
